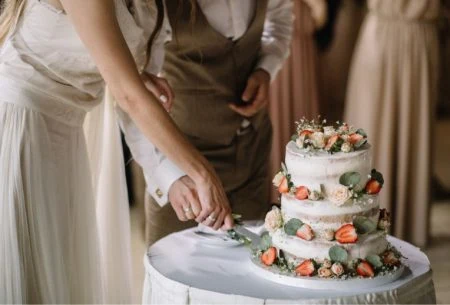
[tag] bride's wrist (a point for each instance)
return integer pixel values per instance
(201, 175)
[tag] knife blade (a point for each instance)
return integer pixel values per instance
(255, 238)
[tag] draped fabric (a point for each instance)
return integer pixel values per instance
(294, 93)
(112, 209)
(392, 93)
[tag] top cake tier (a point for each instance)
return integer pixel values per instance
(321, 171)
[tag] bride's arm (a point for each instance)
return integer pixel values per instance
(96, 24)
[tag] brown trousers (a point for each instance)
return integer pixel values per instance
(243, 169)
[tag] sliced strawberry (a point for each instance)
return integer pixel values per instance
(365, 269)
(305, 133)
(305, 232)
(302, 193)
(373, 187)
(269, 256)
(355, 138)
(284, 186)
(346, 234)
(306, 268)
(331, 141)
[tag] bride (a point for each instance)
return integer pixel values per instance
(55, 58)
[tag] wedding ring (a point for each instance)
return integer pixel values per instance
(187, 210)
(163, 98)
(211, 217)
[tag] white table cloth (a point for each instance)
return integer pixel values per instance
(180, 269)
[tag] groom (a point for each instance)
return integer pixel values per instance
(220, 65)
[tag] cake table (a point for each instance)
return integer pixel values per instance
(182, 269)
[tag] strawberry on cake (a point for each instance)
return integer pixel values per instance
(330, 224)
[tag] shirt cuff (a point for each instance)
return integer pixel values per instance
(160, 181)
(270, 63)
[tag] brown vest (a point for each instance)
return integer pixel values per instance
(207, 71)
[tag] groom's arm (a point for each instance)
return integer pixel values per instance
(277, 36)
(159, 172)
(276, 42)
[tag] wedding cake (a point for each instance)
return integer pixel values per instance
(330, 224)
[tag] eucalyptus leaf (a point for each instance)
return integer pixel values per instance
(292, 226)
(364, 225)
(338, 254)
(350, 179)
(374, 260)
(360, 143)
(361, 131)
(266, 241)
(294, 137)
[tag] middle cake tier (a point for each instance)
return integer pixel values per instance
(322, 215)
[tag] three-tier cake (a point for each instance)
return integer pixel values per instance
(330, 223)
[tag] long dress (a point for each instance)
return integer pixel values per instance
(392, 93)
(294, 93)
(55, 239)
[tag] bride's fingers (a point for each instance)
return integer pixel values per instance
(157, 92)
(165, 87)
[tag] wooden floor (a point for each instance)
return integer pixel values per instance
(438, 251)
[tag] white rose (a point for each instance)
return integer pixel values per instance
(314, 195)
(339, 195)
(346, 147)
(337, 269)
(273, 220)
(329, 131)
(318, 139)
(300, 141)
(278, 179)
(326, 263)
(324, 272)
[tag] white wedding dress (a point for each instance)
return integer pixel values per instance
(64, 230)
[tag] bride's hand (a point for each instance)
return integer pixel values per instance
(216, 211)
(160, 88)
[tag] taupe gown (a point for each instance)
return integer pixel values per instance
(391, 93)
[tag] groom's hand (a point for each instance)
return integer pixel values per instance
(256, 94)
(184, 199)
(160, 89)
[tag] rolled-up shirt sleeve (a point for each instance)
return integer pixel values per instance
(277, 36)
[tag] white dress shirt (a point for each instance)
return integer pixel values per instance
(231, 18)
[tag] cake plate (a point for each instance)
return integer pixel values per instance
(274, 274)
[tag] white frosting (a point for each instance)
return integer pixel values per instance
(291, 206)
(367, 244)
(322, 215)
(315, 168)
(319, 170)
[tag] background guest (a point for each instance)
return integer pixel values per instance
(392, 94)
